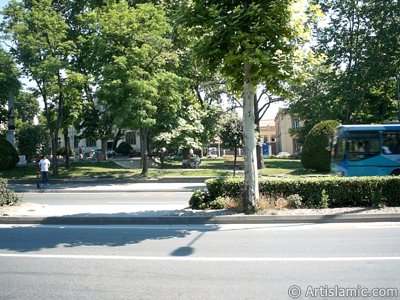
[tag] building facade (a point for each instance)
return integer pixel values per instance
(284, 140)
(131, 137)
(268, 134)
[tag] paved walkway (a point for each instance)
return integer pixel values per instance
(107, 186)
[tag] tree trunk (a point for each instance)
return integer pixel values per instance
(54, 148)
(234, 162)
(143, 150)
(117, 137)
(67, 147)
(260, 161)
(251, 192)
(10, 136)
(104, 150)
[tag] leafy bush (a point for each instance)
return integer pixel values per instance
(199, 199)
(124, 148)
(32, 140)
(315, 154)
(295, 201)
(62, 152)
(218, 203)
(318, 192)
(9, 156)
(7, 197)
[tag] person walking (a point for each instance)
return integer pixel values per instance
(44, 165)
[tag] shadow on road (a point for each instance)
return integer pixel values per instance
(36, 237)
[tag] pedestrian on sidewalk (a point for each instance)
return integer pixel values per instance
(44, 164)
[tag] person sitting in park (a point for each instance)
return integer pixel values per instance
(196, 161)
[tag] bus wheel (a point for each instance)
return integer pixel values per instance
(396, 172)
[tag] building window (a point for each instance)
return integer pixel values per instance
(131, 138)
(90, 143)
(76, 142)
(295, 123)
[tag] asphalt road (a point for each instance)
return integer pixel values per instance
(198, 262)
(116, 198)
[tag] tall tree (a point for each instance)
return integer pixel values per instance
(251, 42)
(27, 107)
(135, 49)
(9, 87)
(360, 44)
(41, 46)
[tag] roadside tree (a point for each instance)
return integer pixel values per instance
(231, 135)
(134, 47)
(250, 42)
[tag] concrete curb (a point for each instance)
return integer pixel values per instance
(194, 179)
(185, 220)
(178, 190)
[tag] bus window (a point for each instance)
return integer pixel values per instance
(391, 142)
(363, 145)
(339, 149)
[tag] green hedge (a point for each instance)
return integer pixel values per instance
(8, 155)
(314, 154)
(342, 192)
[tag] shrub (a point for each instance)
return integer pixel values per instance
(9, 156)
(232, 188)
(295, 201)
(32, 141)
(218, 203)
(124, 148)
(7, 197)
(199, 200)
(315, 154)
(318, 192)
(324, 203)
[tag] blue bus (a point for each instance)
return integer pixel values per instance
(366, 150)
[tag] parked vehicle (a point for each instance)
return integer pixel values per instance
(283, 155)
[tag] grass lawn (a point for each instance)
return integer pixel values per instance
(109, 169)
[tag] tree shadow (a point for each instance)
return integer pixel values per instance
(36, 237)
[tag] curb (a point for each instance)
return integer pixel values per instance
(194, 179)
(182, 220)
(180, 190)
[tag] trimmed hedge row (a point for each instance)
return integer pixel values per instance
(342, 192)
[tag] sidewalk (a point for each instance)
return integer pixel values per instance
(105, 186)
(154, 213)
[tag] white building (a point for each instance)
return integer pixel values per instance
(131, 137)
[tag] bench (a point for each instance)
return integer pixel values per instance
(231, 163)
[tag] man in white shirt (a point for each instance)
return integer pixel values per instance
(44, 164)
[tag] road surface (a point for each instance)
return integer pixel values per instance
(282, 261)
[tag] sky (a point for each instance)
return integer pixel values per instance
(271, 113)
(3, 3)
